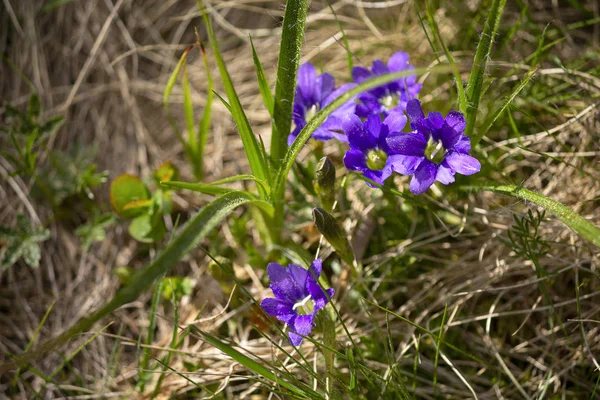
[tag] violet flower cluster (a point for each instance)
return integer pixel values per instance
(374, 125)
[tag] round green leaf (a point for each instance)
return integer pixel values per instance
(124, 190)
(147, 228)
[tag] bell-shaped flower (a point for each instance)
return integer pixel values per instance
(390, 97)
(314, 92)
(298, 297)
(435, 151)
(369, 152)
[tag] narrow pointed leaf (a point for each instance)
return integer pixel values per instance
(256, 158)
(256, 367)
(482, 55)
(263, 84)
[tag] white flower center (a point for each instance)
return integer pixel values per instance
(435, 151)
(390, 101)
(311, 112)
(305, 306)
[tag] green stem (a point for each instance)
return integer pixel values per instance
(292, 36)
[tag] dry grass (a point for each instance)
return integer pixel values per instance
(104, 64)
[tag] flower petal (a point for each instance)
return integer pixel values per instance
(303, 324)
(325, 85)
(456, 120)
(398, 62)
(358, 137)
(423, 178)
(379, 68)
(307, 79)
(444, 174)
(283, 285)
(298, 274)
(282, 310)
(408, 144)
(463, 163)
(436, 119)
(373, 125)
(395, 121)
(414, 111)
(360, 74)
(316, 267)
(463, 145)
(295, 339)
(448, 136)
(404, 165)
(316, 293)
(375, 176)
(355, 160)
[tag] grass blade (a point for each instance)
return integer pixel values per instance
(462, 99)
(191, 234)
(256, 158)
(263, 84)
(344, 39)
(256, 367)
(569, 217)
(484, 49)
(204, 125)
(188, 108)
(292, 35)
(169, 89)
(480, 134)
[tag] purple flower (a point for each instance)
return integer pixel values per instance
(390, 97)
(312, 94)
(298, 297)
(435, 151)
(369, 151)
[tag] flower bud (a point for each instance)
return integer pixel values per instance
(335, 235)
(325, 183)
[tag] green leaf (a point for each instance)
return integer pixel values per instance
(482, 55)
(462, 100)
(173, 80)
(35, 106)
(242, 177)
(124, 190)
(166, 172)
(298, 389)
(569, 217)
(176, 285)
(94, 231)
(22, 242)
(292, 36)
(188, 108)
(204, 125)
(148, 228)
(192, 233)
(205, 188)
(256, 158)
(263, 84)
(505, 105)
